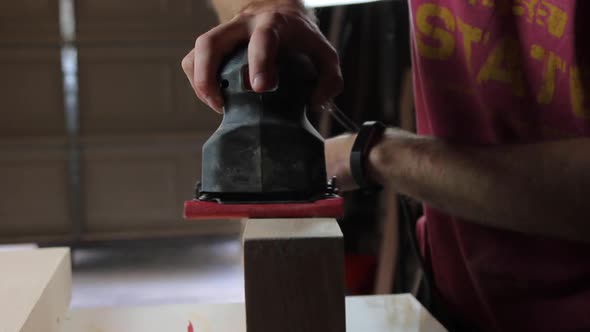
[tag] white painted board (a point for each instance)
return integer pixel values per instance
(35, 289)
(378, 313)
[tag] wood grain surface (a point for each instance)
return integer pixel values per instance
(294, 275)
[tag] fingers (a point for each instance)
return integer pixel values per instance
(295, 32)
(267, 32)
(326, 58)
(210, 49)
(263, 49)
(188, 66)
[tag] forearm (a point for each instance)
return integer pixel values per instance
(226, 9)
(535, 188)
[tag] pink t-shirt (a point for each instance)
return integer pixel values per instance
(499, 72)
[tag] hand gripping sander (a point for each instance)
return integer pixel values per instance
(265, 160)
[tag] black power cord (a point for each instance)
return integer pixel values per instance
(428, 283)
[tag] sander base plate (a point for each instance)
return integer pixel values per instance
(324, 208)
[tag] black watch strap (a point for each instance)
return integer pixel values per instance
(369, 134)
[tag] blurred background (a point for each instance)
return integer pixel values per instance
(101, 135)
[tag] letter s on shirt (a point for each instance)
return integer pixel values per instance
(442, 43)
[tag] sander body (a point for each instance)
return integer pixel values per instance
(265, 160)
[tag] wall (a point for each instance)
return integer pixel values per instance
(140, 127)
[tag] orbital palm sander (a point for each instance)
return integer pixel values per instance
(265, 160)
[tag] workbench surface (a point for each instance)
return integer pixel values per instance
(378, 313)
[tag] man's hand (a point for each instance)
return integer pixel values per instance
(339, 148)
(266, 29)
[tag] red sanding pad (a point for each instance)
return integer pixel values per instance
(330, 207)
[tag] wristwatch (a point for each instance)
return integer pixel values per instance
(370, 134)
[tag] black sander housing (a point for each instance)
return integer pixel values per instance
(265, 149)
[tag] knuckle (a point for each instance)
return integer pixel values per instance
(299, 22)
(331, 54)
(336, 78)
(242, 17)
(271, 33)
(186, 62)
(269, 24)
(338, 84)
(305, 23)
(205, 41)
(333, 83)
(278, 19)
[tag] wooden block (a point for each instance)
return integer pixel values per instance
(383, 313)
(35, 289)
(294, 275)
